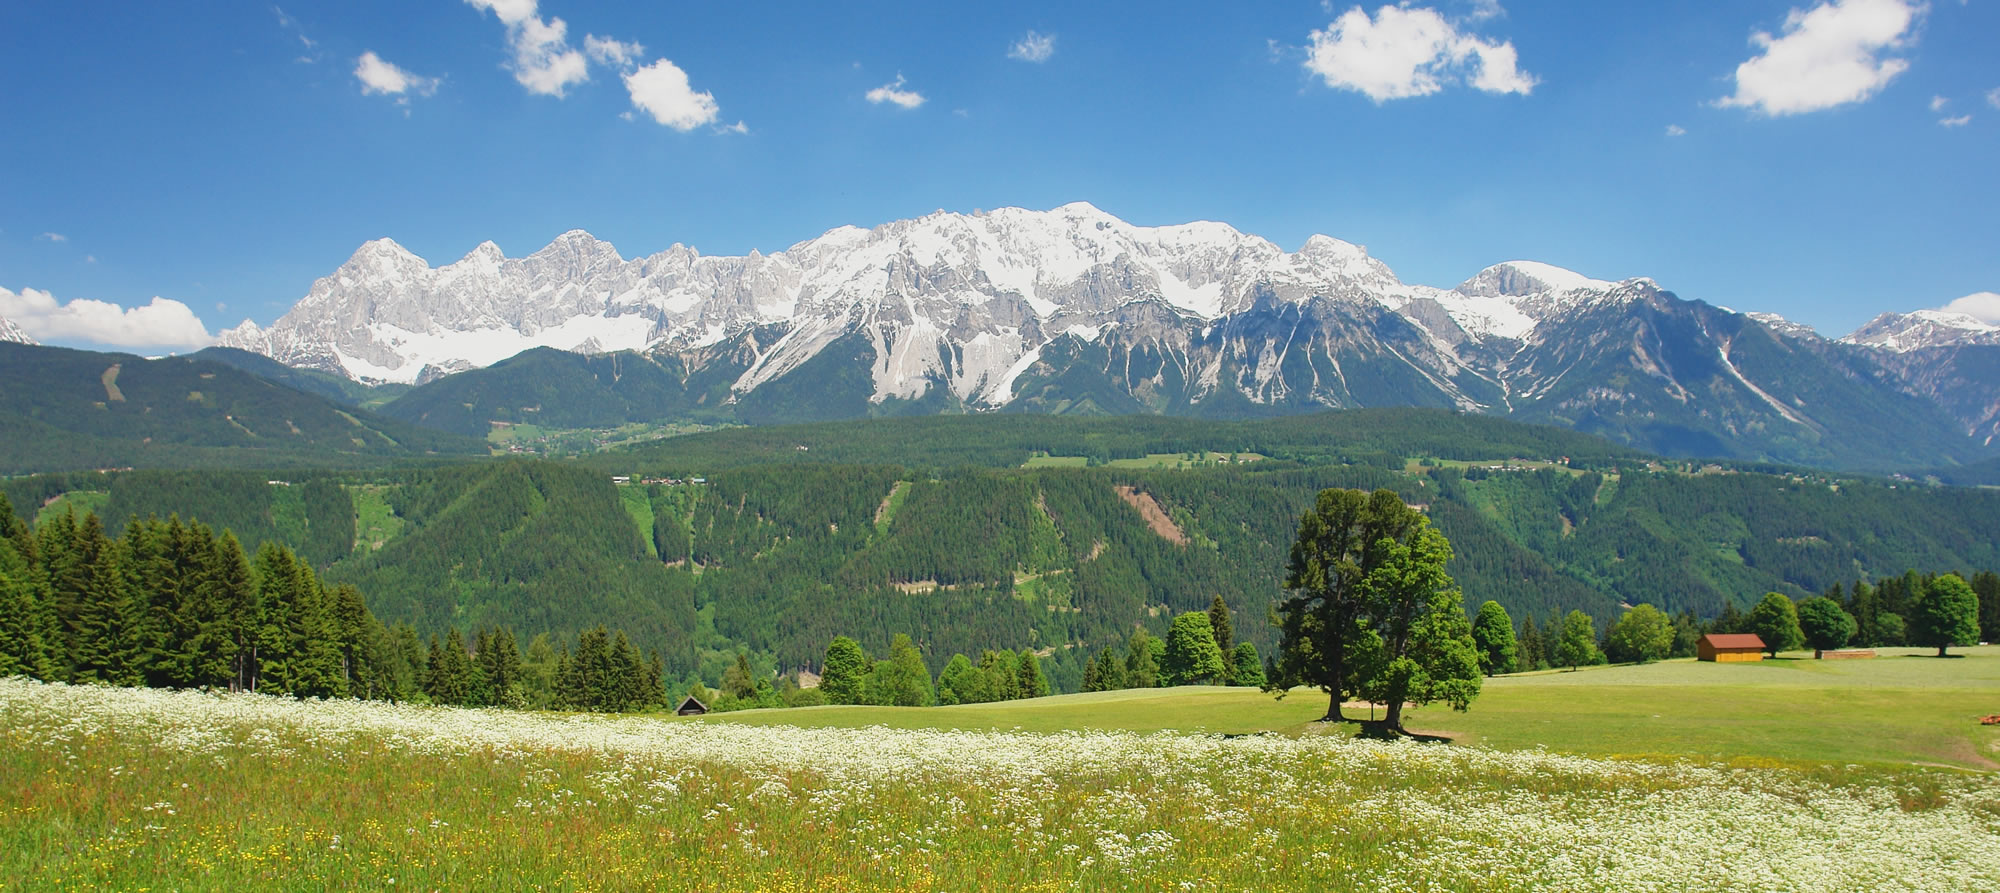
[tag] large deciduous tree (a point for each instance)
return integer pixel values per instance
(1640, 635)
(1324, 640)
(1776, 621)
(1945, 613)
(1427, 652)
(1576, 640)
(1825, 623)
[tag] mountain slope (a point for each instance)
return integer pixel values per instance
(71, 409)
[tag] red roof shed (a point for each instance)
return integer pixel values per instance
(1730, 647)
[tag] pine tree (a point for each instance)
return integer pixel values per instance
(1528, 645)
(1032, 683)
(21, 624)
(1223, 629)
(449, 680)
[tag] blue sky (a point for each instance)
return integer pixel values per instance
(1827, 161)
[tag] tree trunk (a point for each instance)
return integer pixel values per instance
(1941, 649)
(1333, 709)
(1816, 654)
(1394, 717)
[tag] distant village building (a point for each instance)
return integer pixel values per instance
(691, 707)
(1730, 647)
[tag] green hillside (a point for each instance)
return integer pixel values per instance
(553, 389)
(64, 409)
(337, 388)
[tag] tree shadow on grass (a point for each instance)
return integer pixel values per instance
(1377, 730)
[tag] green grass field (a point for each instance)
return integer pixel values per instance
(1900, 708)
(136, 789)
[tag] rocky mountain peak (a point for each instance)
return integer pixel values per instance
(1901, 332)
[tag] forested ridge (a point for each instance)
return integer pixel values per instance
(63, 409)
(776, 560)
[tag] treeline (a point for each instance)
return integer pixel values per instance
(1926, 610)
(1196, 651)
(175, 605)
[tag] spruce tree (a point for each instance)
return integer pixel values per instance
(1032, 683)
(1224, 630)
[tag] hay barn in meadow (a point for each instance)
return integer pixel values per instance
(1730, 647)
(690, 706)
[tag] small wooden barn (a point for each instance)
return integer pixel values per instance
(1730, 647)
(690, 706)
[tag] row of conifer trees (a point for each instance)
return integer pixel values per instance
(176, 605)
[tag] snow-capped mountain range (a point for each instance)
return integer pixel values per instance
(1073, 309)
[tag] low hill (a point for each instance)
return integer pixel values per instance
(337, 388)
(67, 409)
(553, 388)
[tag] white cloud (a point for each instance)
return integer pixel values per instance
(1403, 52)
(162, 323)
(894, 92)
(1938, 103)
(1830, 55)
(662, 90)
(738, 127)
(1035, 47)
(1959, 121)
(1984, 306)
(53, 237)
(1485, 9)
(544, 62)
(90, 258)
(1676, 130)
(615, 53)
(1993, 97)
(378, 75)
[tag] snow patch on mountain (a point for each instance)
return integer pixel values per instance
(11, 332)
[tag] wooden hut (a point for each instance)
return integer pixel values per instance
(690, 706)
(1730, 647)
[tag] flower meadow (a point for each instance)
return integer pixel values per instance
(110, 788)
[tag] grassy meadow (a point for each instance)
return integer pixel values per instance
(1814, 789)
